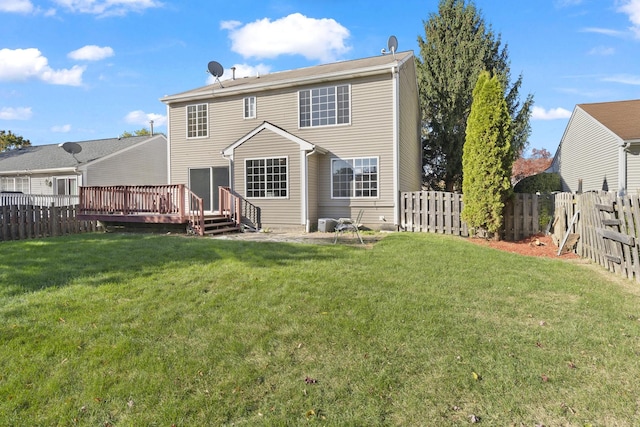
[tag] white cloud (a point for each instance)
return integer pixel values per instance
(108, 7)
(139, 117)
(91, 53)
(603, 31)
(539, 113)
(626, 79)
(61, 129)
(16, 6)
(25, 64)
(602, 51)
(20, 113)
(632, 9)
(296, 34)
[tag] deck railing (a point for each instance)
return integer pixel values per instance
(230, 204)
(133, 200)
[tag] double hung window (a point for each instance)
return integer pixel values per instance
(250, 107)
(197, 121)
(354, 178)
(324, 106)
(266, 178)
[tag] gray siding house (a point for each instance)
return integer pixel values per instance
(600, 148)
(320, 142)
(50, 170)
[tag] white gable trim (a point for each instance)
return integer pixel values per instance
(304, 145)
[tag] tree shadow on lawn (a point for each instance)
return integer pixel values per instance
(98, 259)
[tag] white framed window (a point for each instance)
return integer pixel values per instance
(67, 185)
(267, 178)
(197, 121)
(250, 107)
(19, 183)
(324, 106)
(354, 178)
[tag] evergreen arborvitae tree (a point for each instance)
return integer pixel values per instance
(487, 158)
(456, 48)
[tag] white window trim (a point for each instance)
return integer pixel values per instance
(311, 126)
(255, 107)
(354, 196)
(187, 121)
(267, 197)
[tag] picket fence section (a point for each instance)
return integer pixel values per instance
(19, 222)
(439, 212)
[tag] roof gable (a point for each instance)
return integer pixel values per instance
(620, 117)
(304, 145)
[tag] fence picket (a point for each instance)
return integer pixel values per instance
(28, 222)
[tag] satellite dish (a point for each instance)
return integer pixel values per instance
(392, 44)
(71, 147)
(216, 70)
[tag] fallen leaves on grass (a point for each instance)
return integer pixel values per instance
(310, 380)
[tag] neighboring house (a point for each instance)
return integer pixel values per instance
(600, 148)
(50, 170)
(319, 142)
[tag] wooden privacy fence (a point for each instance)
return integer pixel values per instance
(609, 227)
(19, 222)
(439, 212)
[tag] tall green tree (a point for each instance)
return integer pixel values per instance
(458, 45)
(487, 157)
(11, 141)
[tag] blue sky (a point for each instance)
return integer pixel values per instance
(73, 70)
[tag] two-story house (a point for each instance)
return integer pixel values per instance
(320, 142)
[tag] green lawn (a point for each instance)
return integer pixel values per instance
(420, 330)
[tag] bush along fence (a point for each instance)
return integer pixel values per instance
(19, 222)
(439, 212)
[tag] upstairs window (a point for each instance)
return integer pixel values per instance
(250, 107)
(354, 178)
(324, 106)
(197, 121)
(266, 178)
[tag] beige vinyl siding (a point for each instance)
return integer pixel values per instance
(633, 171)
(312, 187)
(276, 212)
(143, 164)
(369, 135)
(588, 151)
(410, 161)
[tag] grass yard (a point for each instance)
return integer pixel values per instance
(420, 330)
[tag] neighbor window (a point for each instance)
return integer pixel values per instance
(266, 178)
(356, 177)
(67, 186)
(15, 184)
(197, 119)
(250, 107)
(324, 106)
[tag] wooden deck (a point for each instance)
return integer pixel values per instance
(161, 204)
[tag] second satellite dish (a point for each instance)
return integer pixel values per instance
(392, 44)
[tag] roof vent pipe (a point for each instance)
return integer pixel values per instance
(233, 72)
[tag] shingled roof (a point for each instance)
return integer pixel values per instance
(620, 117)
(52, 156)
(298, 76)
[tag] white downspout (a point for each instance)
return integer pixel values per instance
(396, 145)
(168, 146)
(622, 168)
(305, 196)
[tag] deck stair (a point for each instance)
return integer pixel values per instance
(218, 224)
